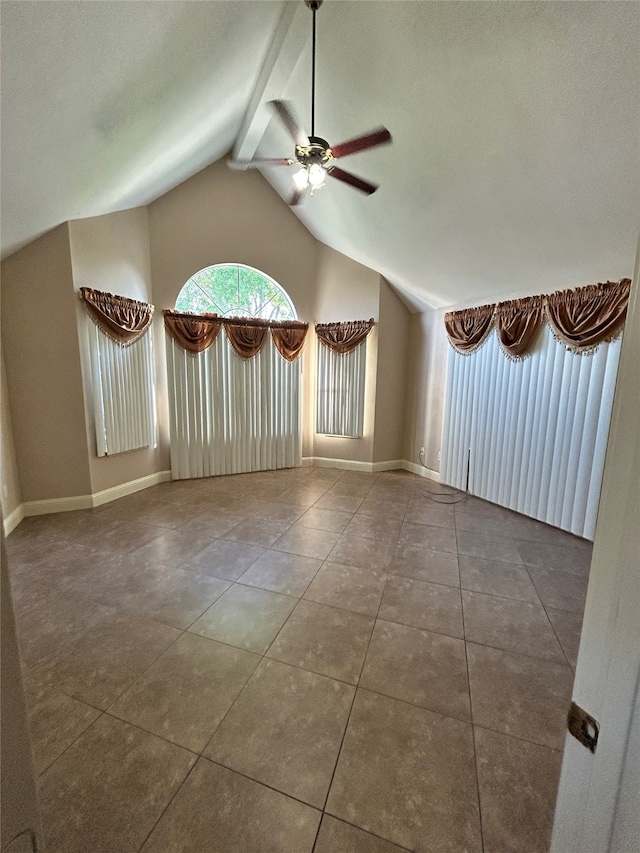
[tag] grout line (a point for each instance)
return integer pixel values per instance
(355, 692)
(171, 799)
(473, 735)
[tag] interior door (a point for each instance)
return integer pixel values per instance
(597, 808)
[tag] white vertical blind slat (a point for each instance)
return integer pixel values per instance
(123, 394)
(238, 414)
(537, 429)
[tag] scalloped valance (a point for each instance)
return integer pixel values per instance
(247, 335)
(468, 329)
(344, 337)
(581, 319)
(124, 320)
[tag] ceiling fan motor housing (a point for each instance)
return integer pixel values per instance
(318, 151)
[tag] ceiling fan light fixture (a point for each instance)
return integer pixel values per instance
(301, 179)
(317, 176)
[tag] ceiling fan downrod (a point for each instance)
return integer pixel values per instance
(314, 5)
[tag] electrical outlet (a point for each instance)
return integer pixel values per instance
(422, 450)
(438, 456)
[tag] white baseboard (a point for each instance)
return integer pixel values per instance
(129, 488)
(52, 505)
(371, 467)
(13, 519)
(46, 507)
(421, 471)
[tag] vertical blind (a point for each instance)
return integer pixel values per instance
(230, 415)
(531, 435)
(123, 392)
(340, 391)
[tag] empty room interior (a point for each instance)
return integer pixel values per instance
(319, 426)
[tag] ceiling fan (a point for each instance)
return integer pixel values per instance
(312, 153)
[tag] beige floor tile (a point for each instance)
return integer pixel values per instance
(109, 788)
(173, 547)
(286, 513)
(304, 496)
(166, 515)
(494, 578)
(418, 667)
(247, 816)
(375, 527)
(49, 627)
(382, 509)
(539, 555)
(289, 574)
(568, 627)
(306, 542)
(224, 559)
(325, 640)
(293, 747)
(518, 784)
(517, 626)
(431, 606)
(188, 690)
(408, 776)
(127, 537)
(560, 590)
(325, 519)
(422, 564)
(472, 523)
(107, 658)
(257, 531)
(215, 522)
(430, 514)
(488, 547)
(343, 503)
(431, 538)
(245, 617)
(55, 722)
(350, 488)
(351, 550)
(521, 696)
(335, 836)
(347, 587)
(524, 528)
(170, 595)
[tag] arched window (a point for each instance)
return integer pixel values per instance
(235, 290)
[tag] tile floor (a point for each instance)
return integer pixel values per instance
(302, 660)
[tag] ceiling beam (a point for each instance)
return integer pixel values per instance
(289, 40)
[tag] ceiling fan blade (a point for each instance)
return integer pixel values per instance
(353, 180)
(255, 164)
(285, 112)
(361, 143)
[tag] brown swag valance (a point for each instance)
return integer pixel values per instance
(584, 318)
(193, 332)
(344, 337)
(197, 332)
(517, 325)
(468, 329)
(123, 320)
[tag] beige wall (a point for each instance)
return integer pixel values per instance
(224, 216)
(391, 380)
(426, 381)
(111, 253)
(346, 290)
(9, 480)
(44, 379)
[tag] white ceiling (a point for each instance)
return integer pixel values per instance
(514, 167)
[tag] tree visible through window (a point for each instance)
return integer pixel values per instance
(233, 290)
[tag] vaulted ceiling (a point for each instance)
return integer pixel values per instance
(514, 166)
